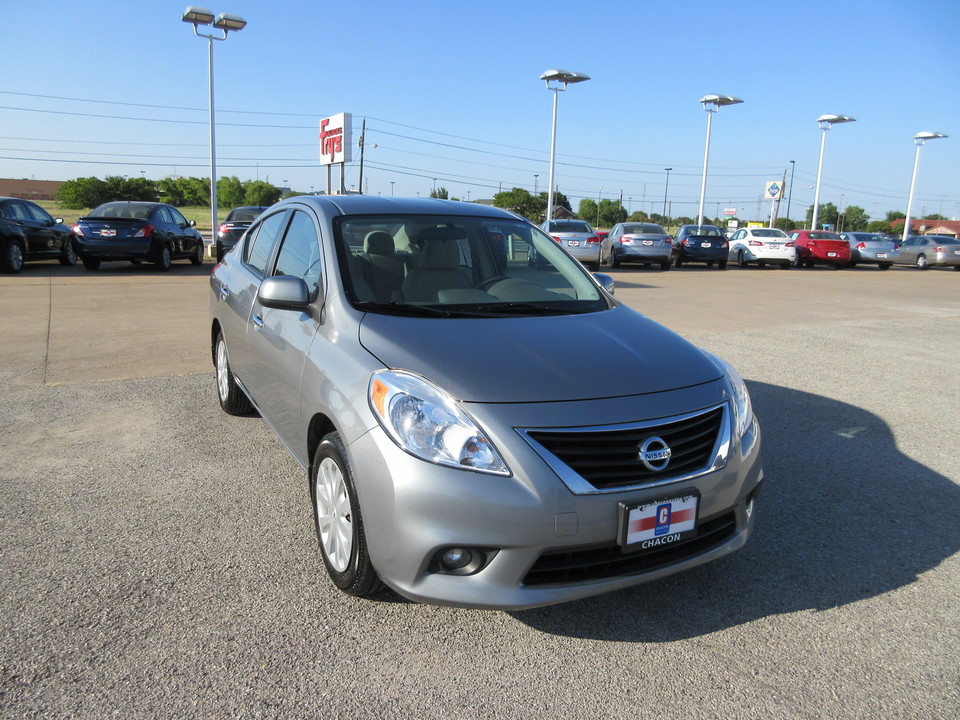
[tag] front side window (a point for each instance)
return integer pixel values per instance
(261, 241)
(300, 253)
(453, 266)
(39, 214)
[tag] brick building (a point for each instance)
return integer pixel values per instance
(29, 189)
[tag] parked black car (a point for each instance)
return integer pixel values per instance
(702, 243)
(28, 232)
(136, 231)
(233, 228)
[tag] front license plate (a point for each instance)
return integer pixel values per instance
(573, 243)
(108, 233)
(829, 254)
(654, 525)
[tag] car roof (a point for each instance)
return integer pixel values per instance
(377, 205)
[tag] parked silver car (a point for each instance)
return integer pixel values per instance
(437, 369)
(580, 239)
(873, 248)
(922, 251)
(646, 243)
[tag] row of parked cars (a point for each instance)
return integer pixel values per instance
(650, 245)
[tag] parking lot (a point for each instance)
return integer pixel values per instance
(159, 558)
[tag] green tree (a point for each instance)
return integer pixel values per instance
(82, 193)
(139, 188)
(230, 192)
(879, 226)
(786, 224)
(170, 192)
(638, 216)
(611, 213)
(258, 192)
(855, 219)
(895, 215)
(827, 215)
(521, 202)
(440, 193)
(587, 210)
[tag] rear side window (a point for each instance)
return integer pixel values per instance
(260, 244)
(300, 253)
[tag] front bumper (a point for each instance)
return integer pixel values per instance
(530, 524)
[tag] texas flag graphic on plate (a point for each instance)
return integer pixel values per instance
(660, 523)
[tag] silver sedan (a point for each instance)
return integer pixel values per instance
(579, 239)
(461, 443)
(871, 248)
(639, 242)
(922, 251)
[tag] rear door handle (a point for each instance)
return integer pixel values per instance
(224, 293)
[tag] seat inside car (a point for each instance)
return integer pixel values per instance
(383, 268)
(438, 267)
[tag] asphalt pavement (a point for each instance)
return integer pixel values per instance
(158, 559)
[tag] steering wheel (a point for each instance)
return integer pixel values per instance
(491, 281)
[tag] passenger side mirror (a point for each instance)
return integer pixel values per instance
(606, 282)
(284, 292)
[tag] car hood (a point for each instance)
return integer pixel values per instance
(613, 353)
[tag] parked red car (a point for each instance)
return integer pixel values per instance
(820, 246)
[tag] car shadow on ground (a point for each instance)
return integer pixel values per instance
(54, 269)
(844, 516)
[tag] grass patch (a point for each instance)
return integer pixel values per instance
(199, 213)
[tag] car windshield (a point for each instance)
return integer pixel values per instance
(244, 215)
(570, 226)
(128, 210)
(704, 231)
(769, 233)
(452, 266)
(643, 229)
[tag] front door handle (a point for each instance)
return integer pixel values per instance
(257, 322)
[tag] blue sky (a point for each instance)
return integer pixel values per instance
(451, 91)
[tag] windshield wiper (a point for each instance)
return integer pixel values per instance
(396, 308)
(519, 308)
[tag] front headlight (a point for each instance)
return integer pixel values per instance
(430, 424)
(742, 408)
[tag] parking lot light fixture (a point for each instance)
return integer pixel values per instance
(224, 22)
(825, 122)
(711, 103)
(557, 81)
(919, 139)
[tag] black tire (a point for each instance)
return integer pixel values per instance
(709, 263)
(761, 265)
(12, 258)
(796, 262)
(679, 261)
(666, 266)
(741, 259)
(886, 266)
(231, 397)
(338, 520)
(91, 263)
(809, 264)
(614, 260)
(197, 257)
(722, 264)
(922, 263)
(69, 255)
(162, 257)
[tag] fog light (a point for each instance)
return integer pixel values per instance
(456, 558)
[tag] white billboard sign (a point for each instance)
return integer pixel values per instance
(336, 141)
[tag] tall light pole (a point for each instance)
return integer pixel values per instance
(560, 80)
(826, 122)
(711, 103)
(599, 195)
(666, 187)
(793, 166)
(224, 22)
(919, 139)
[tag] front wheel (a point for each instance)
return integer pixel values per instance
(614, 260)
(338, 521)
(741, 259)
(922, 263)
(231, 397)
(197, 257)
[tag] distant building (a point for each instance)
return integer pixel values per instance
(919, 226)
(30, 189)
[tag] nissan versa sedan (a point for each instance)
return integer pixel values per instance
(580, 239)
(234, 226)
(136, 232)
(28, 232)
(922, 251)
(872, 248)
(763, 246)
(820, 246)
(458, 443)
(702, 243)
(645, 243)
